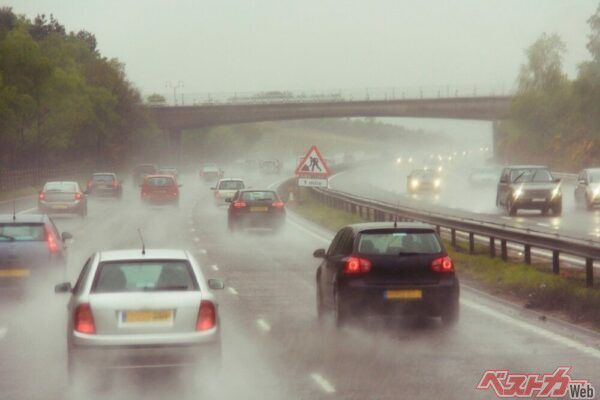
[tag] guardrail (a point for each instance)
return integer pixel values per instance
(373, 210)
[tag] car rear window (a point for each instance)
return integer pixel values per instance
(142, 276)
(160, 181)
(21, 232)
(259, 196)
(398, 242)
(231, 185)
(60, 187)
(103, 178)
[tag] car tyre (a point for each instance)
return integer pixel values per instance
(340, 314)
(557, 209)
(510, 207)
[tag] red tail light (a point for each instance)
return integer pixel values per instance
(217, 194)
(115, 184)
(78, 196)
(42, 195)
(207, 316)
(89, 184)
(357, 265)
(442, 264)
(239, 204)
(51, 240)
(83, 320)
(278, 204)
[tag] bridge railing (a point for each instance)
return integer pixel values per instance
(341, 95)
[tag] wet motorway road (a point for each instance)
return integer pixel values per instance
(273, 347)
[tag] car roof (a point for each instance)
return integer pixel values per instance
(59, 182)
(527, 166)
(231, 179)
(104, 173)
(19, 218)
(136, 254)
(159, 176)
(366, 226)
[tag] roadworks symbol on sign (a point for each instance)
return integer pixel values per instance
(313, 164)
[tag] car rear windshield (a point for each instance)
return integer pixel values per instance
(259, 196)
(160, 181)
(399, 242)
(60, 187)
(21, 232)
(231, 185)
(141, 276)
(103, 178)
(530, 175)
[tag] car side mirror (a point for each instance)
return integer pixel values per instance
(216, 284)
(319, 253)
(66, 236)
(582, 182)
(228, 200)
(557, 180)
(64, 287)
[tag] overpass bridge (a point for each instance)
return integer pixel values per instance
(174, 119)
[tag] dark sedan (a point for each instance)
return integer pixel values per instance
(30, 246)
(386, 269)
(252, 208)
(105, 184)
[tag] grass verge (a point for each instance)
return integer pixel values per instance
(518, 282)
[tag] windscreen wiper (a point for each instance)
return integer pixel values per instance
(10, 238)
(519, 176)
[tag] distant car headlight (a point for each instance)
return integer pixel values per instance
(595, 192)
(399, 160)
(440, 168)
(556, 192)
(437, 183)
(414, 183)
(518, 193)
(409, 159)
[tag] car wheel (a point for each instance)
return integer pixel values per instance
(510, 207)
(450, 315)
(320, 307)
(557, 209)
(588, 204)
(339, 312)
(83, 212)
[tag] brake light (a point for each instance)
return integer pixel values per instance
(239, 204)
(51, 241)
(442, 264)
(207, 316)
(78, 196)
(277, 204)
(217, 194)
(83, 321)
(357, 265)
(42, 195)
(89, 184)
(115, 184)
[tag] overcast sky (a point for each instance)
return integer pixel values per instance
(252, 45)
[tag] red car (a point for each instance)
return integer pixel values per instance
(160, 189)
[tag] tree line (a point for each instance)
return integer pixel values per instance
(554, 119)
(60, 99)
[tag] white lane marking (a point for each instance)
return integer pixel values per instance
(232, 290)
(202, 251)
(192, 229)
(544, 225)
(322, 382)
(214, 267)
(532, 328)
(3, 332)
(506, 218)
(196, 239)
(264, 325)
(28, 210)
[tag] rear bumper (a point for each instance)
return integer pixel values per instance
(531, 203)
(105, 192)
(267, 220)
(61, 207)
(154, 199)
(367, 299)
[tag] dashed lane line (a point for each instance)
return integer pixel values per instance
(323, 383)
(263, 325)
(202, 251)
(214, 267)
(3, 332)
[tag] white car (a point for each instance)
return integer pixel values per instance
(226, 188)
(142, 309)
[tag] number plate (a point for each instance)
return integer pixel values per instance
(415, 294)
(538, 200)
(14, 273)
(59, 206)
(141, 316)
(259, 209)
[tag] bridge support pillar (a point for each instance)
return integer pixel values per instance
(495, 139)
(174, 136)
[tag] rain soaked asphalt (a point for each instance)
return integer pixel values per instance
(273, 347)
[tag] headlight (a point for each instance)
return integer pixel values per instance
(409, 159)
(440, 168)
(399, 160)
(414, 183)
(517, 193)
(596, 192)
(556, 192)
(437, 183)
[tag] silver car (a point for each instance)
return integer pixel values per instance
(142, 309)
(225, 189)
(62, 197)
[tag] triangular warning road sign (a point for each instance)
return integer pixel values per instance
(313, 164)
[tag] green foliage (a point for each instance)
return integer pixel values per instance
(156, 98)
(554, 119)
(58, 96)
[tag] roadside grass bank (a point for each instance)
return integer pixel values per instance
(565, 295)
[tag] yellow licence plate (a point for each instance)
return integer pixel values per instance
(59, 206)
(14, 273)
(148, 316)
(414, 294)
(259, 209)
